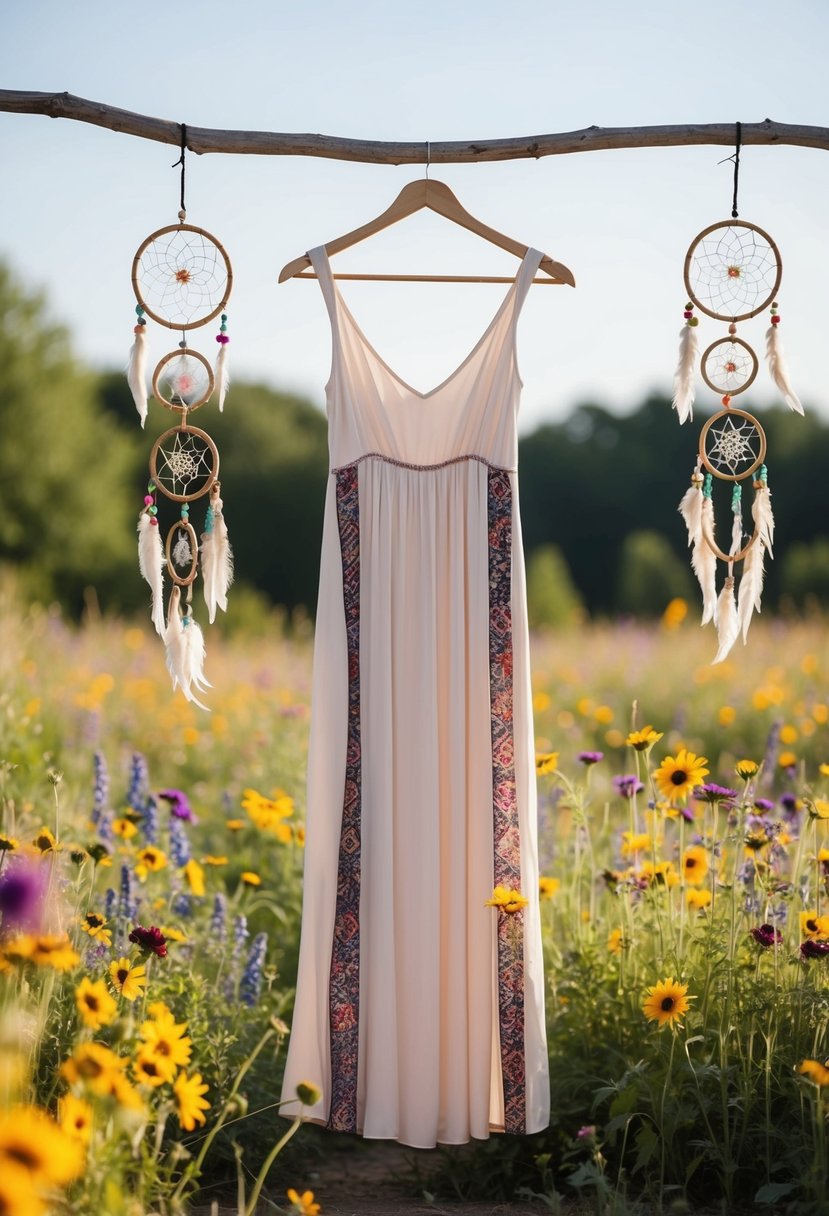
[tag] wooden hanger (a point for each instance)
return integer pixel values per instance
(438, 197)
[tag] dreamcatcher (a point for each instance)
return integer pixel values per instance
(182, 279)
(732, 273)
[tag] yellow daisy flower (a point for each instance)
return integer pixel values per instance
(150, 1069)
(234, 825)
(123, 827)
(666, 1002)
(151, 859)
(46, 950)
(172, 934)
(17, 1194)
(210, 860)
(747, 769)
(299, 835)
(93, 1065)
(8, 844)
(814, 926)
(824, 770)
(661, 874)
(188, 1092)
(165, 1038)
(94, 1003)
(546, 762)
(815, 1071)
(677, 775)
(44, 841)
(696, 898)
(506, 900)
(695, 865)
(195, 876)
(302, 1205)
(635, 842)
(644, 738)
(95, 926)
(250, 879)
(29, 1137)
(547, 887)
(818, 808)
(75, 1118)
(616, 941)
(130, 979)
(787, 760)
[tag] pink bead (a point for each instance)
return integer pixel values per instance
(775, 320)
(686, 315)
(148, 500)
(153, 521)
(223, 338)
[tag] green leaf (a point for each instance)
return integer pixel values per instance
(773, 1192)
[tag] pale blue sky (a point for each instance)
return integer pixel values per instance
(77, 200)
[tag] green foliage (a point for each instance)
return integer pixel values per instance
(649, 575)
(65, 517)
(552, 598)
(806, 573)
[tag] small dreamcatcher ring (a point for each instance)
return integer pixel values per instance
(732, 270)
(731, 558)
(732, 444)
(732, 370)
(185, 552)
(185, 382)
(184, 463)
(182, 276)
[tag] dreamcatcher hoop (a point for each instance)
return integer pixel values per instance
(730, 558)
(183, 525)
(158, 276)
(709, 265)
(159, 373)
(725, 386)
(184, 463)
(732, 444)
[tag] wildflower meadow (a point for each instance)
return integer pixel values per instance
(150, 886)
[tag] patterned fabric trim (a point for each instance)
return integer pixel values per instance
(344, 980)
(507, 851)
(423, 468)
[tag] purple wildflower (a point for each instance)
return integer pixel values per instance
(711, 792)
(763, 805)
(179, 843)
(139, 780)
(627, 785)
(766, 935)
(218, 921)
(179, 805)
(22, 889)
(100, 790)
(250, 985)
(240, 932)
(814, 948)
(591, 757)
(149, 820)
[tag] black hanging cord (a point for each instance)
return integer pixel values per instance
(734, 211)
(180, 161)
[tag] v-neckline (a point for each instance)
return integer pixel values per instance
(341, 304)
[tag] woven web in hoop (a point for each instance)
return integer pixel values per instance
(185, 465)
(733, 271)
(729, 367)
(182, 278)
(184, 381)
(733, 445)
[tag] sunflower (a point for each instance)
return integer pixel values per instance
(250, 879)
(150, 860)
(29, 1137)
(95, 926)
(75, 1118)
(545, 762)
(818, 808)
(123, 827)
(190, 1104)
(44, 841)
(165, 1038)
(747, 769)
(666, 1002)
(8, 844)
(152, 1070)
(95, 1005)
(644, 738)
(547, 887)
(635, 842)
(616, 941)
(130, 979)
(302, 1205)
(814, 926)
(815, 1071)
(46, 950)
(93, 1065)
(695, 865)
(659, 874)
(697, 899)
(506, 900)
(677, 775)
(17, 1195)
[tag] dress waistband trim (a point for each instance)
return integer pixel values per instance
(422, 468)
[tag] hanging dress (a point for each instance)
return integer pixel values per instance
(419, 1011)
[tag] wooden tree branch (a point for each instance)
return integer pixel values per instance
(273, 143)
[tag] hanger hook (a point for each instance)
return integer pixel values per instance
(428, 157)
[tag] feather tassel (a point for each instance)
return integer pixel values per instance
(222, 375)
(704, 563)
(764, 518)
(216, 557)
(751, 585)
(691, 511)
(778, 369)
(137, 372)
(728, 623)
(184, 645)
(151, 565)
(684, 391)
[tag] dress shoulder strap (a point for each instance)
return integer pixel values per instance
(319, 260)
(524, 278)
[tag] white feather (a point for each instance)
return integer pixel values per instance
(185, 651)
(151, 565)
(778, 369)
(222, 375)
(728, 623)
(736, 533)
(763, 517)
(691, 511)
(137, 372)
(194, 655)
(174, 640)
(751, 585)
(216, 560)
(684, 391)
(704, 563)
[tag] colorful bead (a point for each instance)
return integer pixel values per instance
(139, 308)
(153, 510)
(694, 321)
(687, 314)
(136, 329)
(154, 521)
(222, 338)
(775, 320)
(151, 487)
(148, 500)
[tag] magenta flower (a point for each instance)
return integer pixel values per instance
(22, 889)
(813, 948)
(627, 785)
(180, 806)
(591, 757)
(711, 792)
(766, 935)
(763, 805)
(151, 941)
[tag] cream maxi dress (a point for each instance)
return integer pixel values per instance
(419, 1011)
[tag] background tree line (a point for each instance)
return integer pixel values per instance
(599, 491)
